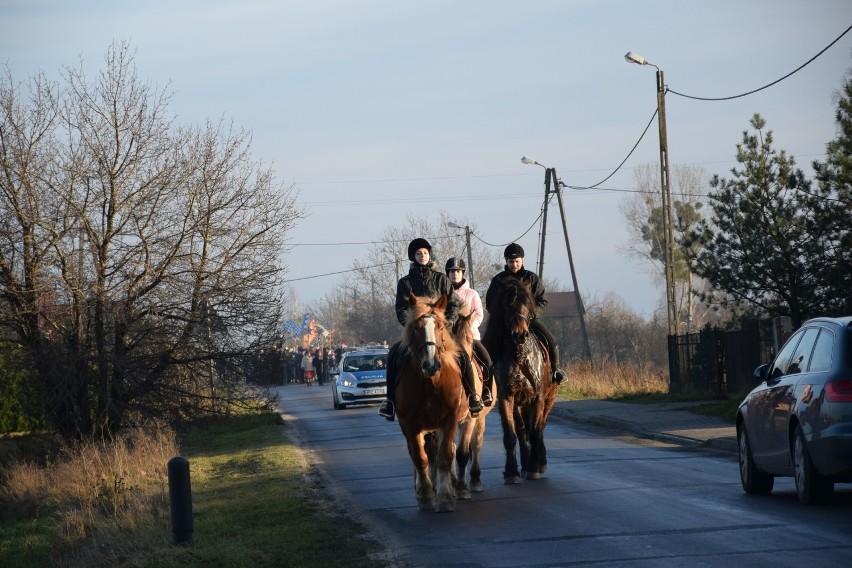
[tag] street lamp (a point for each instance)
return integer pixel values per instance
(469, 253)
(526, 160)
(666, 196)
(550, 174)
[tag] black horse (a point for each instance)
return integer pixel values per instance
(525, 393)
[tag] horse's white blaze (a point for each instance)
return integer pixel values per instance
(429, 333)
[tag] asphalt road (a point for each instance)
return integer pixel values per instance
(605, 500)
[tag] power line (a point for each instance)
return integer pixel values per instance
(796, 70)
(515, 196)
(641, 137)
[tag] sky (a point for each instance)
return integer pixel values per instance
(379, 110)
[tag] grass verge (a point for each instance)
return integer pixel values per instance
(606, 380)
(255, 503)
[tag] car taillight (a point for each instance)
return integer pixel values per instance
(839, 391)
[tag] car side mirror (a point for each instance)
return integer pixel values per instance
(334, 372)
(761, 373)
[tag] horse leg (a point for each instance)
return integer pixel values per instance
(538, 457)
(423, 490)
(444, 498)
(537, 463)
(507, 418)
(522, 429)
(430, 445)
(475, 449)
(463, 453)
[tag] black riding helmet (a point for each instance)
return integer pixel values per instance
(514, 250)
(454, 264)
(418, 244)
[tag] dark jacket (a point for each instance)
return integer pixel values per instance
(425, 282)
(524, 275)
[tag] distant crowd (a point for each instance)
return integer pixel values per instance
(307, 365)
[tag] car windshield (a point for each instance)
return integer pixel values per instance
(365, 363)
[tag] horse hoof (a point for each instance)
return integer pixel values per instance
(476, 487)
(424, 505)
(512, 480)
(447, 507)
(463, 494)
(533, 475)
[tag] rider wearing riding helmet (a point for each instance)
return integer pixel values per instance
(423, 280)
(470, 298)
(514, 255)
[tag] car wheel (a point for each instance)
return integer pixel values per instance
(811, 487)
(754, 482)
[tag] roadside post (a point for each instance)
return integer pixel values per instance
(180, 500)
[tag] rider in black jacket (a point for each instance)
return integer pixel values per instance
(423, 280)
(514, 255)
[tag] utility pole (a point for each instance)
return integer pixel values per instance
(557, 183)
(668, 237)
(469, 251)
(544, 223)
(550, 176)
(469, 258)
(666, 194)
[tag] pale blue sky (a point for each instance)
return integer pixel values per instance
(377, 110)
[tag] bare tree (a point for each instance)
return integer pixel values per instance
(643, 213)
(141, 267)
(618, 334)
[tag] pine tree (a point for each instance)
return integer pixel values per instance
(758, 247)
(834, 178)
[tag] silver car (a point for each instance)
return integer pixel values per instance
(360, 378)
(798, 421)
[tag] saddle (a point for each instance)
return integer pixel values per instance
(543, 342)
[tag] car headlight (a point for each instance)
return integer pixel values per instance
(346, 382)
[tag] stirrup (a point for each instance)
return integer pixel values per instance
(387, 410)
(558, 376)
(487, 399)
(475, 404)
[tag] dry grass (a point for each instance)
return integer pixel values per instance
(257, 502)
(96, 492)
(605, 379)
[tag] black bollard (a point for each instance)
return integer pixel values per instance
(180, 499)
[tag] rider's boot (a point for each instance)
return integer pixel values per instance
(386, 408)
(558, 375)
(469, 383)
(487, 375)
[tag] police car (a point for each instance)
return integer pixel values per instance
(360, 378)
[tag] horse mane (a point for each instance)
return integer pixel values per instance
(512, 296)
(463, 329)
(421, 306)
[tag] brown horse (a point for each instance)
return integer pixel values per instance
(471, 430)
(430, 400)
(522, 369)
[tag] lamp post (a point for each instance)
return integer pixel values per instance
(666, 196)
(526, 160)
(550, 175)
(469, 252)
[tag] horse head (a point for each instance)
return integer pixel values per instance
(426, 334)
(518, 309)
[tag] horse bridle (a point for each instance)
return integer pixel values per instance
(426, 344)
